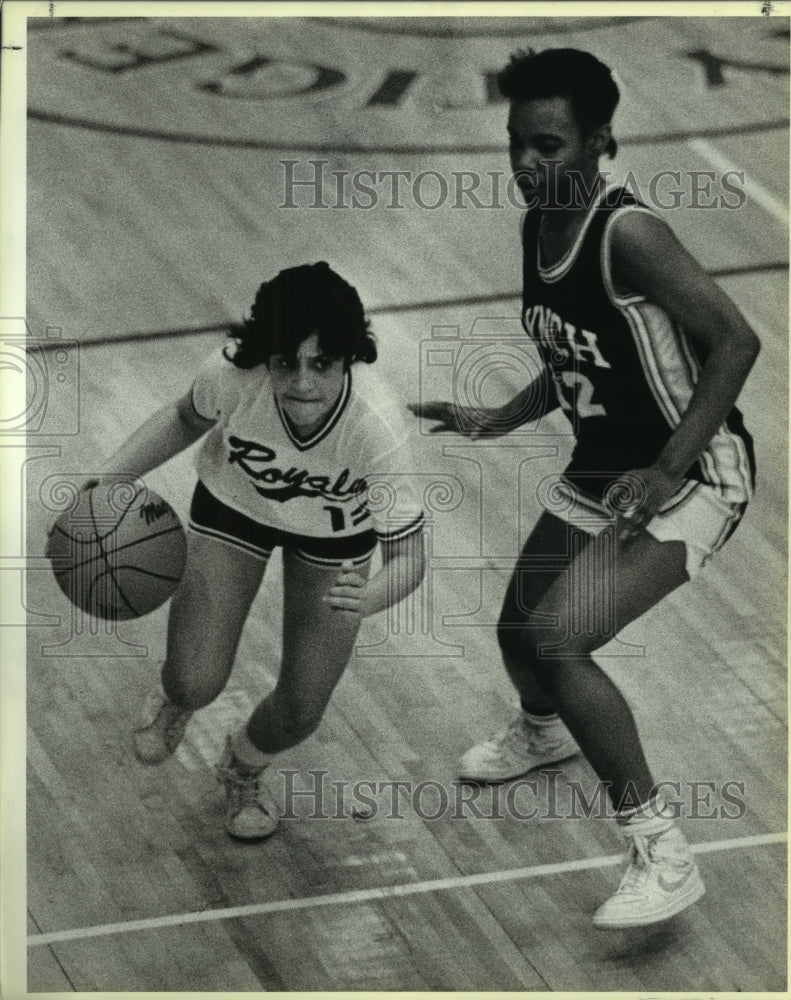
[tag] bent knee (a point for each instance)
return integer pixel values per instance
(193, 692)
(547, 646)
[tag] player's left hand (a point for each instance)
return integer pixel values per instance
(348, 593)
(637, 495)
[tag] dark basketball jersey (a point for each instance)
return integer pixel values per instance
(623, 370)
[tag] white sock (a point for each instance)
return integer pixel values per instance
(541, 721)
(654, 809)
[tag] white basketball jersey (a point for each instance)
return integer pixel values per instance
(353, 474)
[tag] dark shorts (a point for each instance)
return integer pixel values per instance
(211, 517)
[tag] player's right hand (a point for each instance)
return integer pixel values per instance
(454, 419)
(88, 484)
(348, 592)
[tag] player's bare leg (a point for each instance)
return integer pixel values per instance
(582, 610)
(549, 604)
(536, 736)
(207, 615)
(662, 877)
(538, 566)
(318, 641)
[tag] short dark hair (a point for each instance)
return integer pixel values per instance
(298, 302)
(578, 76)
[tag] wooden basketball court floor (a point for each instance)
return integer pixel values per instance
(158, 155)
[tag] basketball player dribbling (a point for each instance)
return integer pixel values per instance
(646, 356)
(298, 434)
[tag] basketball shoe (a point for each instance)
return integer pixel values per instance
(661, 877)
(160, 728)
(529, 742)
(250, 810)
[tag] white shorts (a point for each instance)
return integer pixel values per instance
(697, 516)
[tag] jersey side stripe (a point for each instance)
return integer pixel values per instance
(648, 361)
(627, 307)
(726, 451)
(725, 461)
(630, 308)
(726, 439)
(679, 497)
(727, 528)
(652, 324)
(673, 387)
(660, 338)
(675, 383)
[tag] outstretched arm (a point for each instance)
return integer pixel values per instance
(403, 567)
(531, 403)
(649, 259)
(166, 433)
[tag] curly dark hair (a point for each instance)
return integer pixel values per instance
(578, 76)
(298, 302)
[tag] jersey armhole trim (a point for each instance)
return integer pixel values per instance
(195, 408)
(606, 258)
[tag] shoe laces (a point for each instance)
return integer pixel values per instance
(639, 860)
(646, 850)
(510, 738)
(246, 785)
(517, 731)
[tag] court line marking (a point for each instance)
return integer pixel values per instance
(512, 31)
(394, 308)
(379, 893)
(757, 192)
(293, 146)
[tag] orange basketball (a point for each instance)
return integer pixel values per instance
(119, 552)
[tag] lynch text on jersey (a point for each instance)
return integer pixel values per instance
(546, 326)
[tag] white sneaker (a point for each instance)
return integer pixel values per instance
(529, 742)
(160, 729)
(661, 879)
(250, 809)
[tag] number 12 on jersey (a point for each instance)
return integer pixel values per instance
(338, 516)
(585, 407)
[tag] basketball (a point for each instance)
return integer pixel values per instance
(119, 552)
